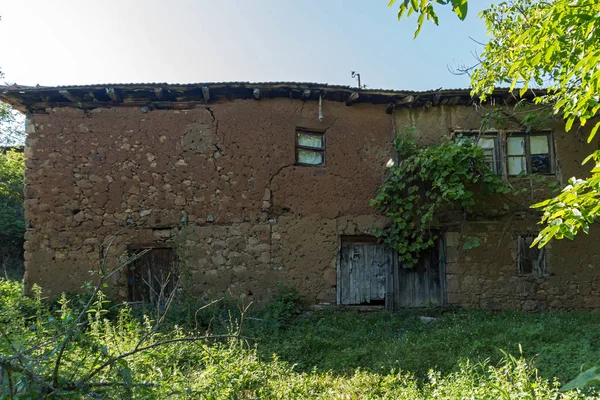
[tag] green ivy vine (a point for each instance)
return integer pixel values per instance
(425, 181)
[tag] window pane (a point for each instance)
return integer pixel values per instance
(486, 143)
(516, 146)
(310, 157)
(538, 144)
(540, 164)
(490, 158)
(310, 140)
(516, 165)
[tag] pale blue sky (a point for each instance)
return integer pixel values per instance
(64, 42)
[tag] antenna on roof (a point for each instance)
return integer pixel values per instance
(356, 75)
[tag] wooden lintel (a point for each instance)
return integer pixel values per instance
(256, 93)
(114, 96)
(305, 95)
(206, 93)
(352, 98)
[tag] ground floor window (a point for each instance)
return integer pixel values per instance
(531, 261)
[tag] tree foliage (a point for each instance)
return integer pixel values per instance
(550, 43)
(425, 9)
(12, 223)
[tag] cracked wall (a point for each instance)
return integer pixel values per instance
(131, 175)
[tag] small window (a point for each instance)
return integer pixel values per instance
(310, 147)
(488, 144)
(529, 154)
(151, 278)
(531, 260)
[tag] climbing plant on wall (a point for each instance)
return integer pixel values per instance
(425, 181)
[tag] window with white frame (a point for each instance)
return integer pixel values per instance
(310, 147)
(488, 143)
(529, 153)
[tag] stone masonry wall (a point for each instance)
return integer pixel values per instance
(251, 216)
(487, 276)
(220, 184)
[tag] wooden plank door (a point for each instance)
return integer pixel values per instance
(151, 278)
(364, 266)
(422, 285)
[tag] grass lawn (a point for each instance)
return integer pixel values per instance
(558, 342)
(65, 350)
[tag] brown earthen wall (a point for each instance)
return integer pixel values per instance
(251, 217)
(486, 276)
(220, 183)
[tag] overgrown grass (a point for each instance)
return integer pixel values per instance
(280, 354)
(559, 342)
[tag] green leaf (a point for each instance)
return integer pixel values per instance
(460, 7)
(589, 376)
(593, 132)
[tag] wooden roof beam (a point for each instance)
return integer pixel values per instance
(69, 96)
(352, 98)
(113, 94)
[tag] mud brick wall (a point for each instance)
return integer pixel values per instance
(219, 183)
(130, 175)
(487, 276)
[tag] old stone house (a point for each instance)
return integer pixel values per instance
(245, 185)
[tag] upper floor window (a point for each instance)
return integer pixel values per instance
(529, 153)
(488, 144)
(310, 147)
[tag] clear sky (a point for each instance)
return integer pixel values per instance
(75, 42)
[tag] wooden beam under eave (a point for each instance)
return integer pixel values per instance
(69, 96)
(389, 109)
(113, 94)
(305, 95)
(406, 100)
(352, 98)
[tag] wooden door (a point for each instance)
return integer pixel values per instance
(151, 278)
(422, 285)
(363, 268)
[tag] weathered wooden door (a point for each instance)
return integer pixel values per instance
(422, 285)
(363, 269)
(151, 278)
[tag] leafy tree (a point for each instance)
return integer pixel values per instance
(11, 126)
(553, 43)
(12, 221)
